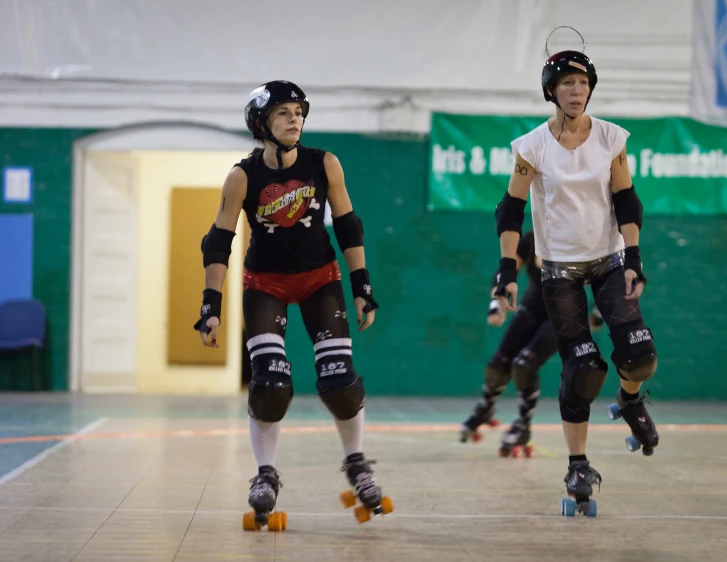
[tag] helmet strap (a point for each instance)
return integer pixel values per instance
(268, 136)
(557, 104)
(554, 99)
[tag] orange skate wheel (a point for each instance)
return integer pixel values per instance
(347, 499)
(528, 451)
(276, 521)
(516, 452)
(503, 453)
(362, 514)
(476, 437)
(248, 521)
(387, 506)
(285, 519)
(493, 422)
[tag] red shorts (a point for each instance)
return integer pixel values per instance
(291, 288)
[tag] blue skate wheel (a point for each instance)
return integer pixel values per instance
(567, 507)
(592, 510)
(632, 444)
(614, 412)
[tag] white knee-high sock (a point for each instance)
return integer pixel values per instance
(264, 439)
(351, 433)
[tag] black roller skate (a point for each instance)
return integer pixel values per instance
(579, 484)
(482, 415)
(516, 440)
(643, 431)
(359, 473)
(263, 495)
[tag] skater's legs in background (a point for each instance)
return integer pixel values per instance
(526, 367)
(525, 375)
(497, 372)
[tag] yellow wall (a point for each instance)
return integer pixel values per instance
(158, 173)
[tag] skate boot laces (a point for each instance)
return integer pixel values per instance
(265, 482)
(584, 472)
(637, 403)
(361, 476)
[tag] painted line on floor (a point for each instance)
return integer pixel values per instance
(64, 440)
(317, 429)
(545, 451)
(348, 514)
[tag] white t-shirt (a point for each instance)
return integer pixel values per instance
(570, 195)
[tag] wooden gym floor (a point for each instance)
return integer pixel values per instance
(136, 478)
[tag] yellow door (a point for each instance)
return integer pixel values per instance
(191, 209)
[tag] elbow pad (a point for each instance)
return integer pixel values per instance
(349, 232)
(510, 214)
(628, 207)
(217, 246)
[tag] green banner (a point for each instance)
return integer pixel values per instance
(679, 166)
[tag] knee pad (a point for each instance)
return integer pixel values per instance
(634, 354)
(338, 385)
(525, 369)
(341, 392)
(497, 372)
(584, 373)
(270, 391)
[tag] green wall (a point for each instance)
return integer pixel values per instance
(430, 272)
(49, 152)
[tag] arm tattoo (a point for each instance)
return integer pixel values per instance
(621, 159)
(522, 170)
(223, 203)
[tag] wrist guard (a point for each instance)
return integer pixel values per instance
(211, 308)
(632, 260)
(361, 287)
(506, 275)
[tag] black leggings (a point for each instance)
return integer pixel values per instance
(529, 329)
(567, 305)
(325, 319)
(324, 313)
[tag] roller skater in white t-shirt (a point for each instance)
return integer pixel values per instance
(586, 217)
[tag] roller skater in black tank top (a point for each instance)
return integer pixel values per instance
(283, 189)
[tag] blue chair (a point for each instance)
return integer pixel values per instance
(22, 326)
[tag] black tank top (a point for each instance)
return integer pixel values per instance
(285, 210)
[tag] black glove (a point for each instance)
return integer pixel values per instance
(361, 287)
(506, 275)
(632, 260)
(211, 308)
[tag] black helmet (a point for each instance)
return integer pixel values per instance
(264, 98)
(566, 62)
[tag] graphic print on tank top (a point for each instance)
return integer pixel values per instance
(285, 204)
(286, 212)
